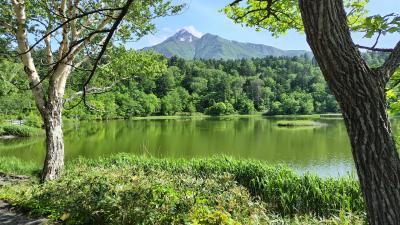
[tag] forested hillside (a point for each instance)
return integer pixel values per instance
(146, 83)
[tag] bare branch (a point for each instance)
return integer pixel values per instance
(375, 49)
(377, 39)
(235, 2)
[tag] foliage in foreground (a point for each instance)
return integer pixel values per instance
(126, 189)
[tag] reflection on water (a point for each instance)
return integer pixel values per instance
(324, 150)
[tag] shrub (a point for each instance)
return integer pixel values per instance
(219, 109)
(131, 195)
(34, 121)
(285, 191)
(229, 108)
(19, 130)
(126, 189)
(245, 106)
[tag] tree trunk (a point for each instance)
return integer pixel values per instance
(360, 92)
(54, 161)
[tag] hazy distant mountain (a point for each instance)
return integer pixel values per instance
(186, 45)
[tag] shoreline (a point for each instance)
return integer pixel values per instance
(201, 116)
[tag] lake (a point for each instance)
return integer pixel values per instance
(323, 150)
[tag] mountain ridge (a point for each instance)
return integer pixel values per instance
(186, 45)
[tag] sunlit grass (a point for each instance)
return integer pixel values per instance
(125, 189)
(15, 166)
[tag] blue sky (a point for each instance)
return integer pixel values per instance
(202, 16)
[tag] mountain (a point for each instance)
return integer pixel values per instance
(188, 46)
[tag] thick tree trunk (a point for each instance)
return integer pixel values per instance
(54, 161)
(360, 92)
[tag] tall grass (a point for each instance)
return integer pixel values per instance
(280, 187)
(128, 189)
(14, 166)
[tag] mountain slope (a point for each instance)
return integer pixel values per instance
(182, 44)
(186, 45)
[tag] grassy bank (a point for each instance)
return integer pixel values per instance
(15, 166)
(189, 115)
(194, 116)
(13, 130)
(126, 189)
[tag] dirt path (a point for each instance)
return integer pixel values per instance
(8, 216)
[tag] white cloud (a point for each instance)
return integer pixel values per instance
(193, 31)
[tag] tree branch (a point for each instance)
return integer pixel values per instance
(92, 90)
(27, 60)
(66, 22)
(72, 9)
(64, 42)
(391, 63)
(49, 52)
(375, 49)
(235, 2)
(86, 41)
(114, 27)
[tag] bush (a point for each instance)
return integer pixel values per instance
(19, 130)
(284, 190)
(127, 189)
(244, 106)
(133, 195)
(229, 108)
(34, 121)
(219, 109)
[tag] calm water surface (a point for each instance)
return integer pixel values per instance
(323, 150)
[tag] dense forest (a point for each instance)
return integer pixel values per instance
(145, 83)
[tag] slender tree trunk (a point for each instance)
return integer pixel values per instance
(360, 92)
(54, 161)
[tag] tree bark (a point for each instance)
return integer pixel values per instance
(360, 92)
(54, 161)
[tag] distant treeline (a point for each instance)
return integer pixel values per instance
(272, 85)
